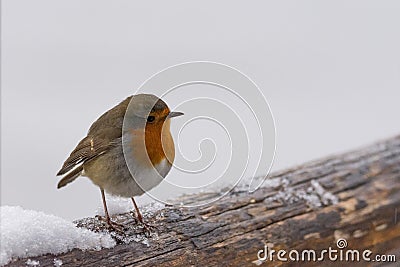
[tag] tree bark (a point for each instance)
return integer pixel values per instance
(354, 196)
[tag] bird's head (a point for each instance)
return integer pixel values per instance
(152, 111)
(153, 116)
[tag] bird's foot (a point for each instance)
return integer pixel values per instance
(147, 227)
(112, 226)
(116, 227)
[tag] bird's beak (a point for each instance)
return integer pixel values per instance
(174, 114)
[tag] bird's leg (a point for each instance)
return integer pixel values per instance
(147, 226)
(112, 225)
(139, 215)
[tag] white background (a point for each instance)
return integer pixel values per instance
(329, 69)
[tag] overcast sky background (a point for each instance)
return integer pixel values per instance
(330, 71)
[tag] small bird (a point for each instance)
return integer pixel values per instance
(127, 151)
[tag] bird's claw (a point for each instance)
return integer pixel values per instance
(112, 226)
(148, 228)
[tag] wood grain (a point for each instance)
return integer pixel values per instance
(354, 196)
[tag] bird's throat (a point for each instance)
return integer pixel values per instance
(159, 142)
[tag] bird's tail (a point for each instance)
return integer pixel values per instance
(70, 177)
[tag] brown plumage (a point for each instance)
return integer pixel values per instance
(100, 155)
(103, 134)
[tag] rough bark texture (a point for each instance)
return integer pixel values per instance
(355, 196)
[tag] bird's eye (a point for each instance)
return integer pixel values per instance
(150, 118)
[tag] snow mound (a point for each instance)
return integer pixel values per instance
(28, 233)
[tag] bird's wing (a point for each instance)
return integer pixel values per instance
(113, 118)
(87, 149)
(104, 133)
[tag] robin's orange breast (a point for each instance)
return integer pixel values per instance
(158, 143)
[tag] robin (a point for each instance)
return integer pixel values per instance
(128, 150)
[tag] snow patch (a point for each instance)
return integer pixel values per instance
(28, 233)
(325, 196)
(30, 262)
(245, 184)
(315, 195)
(57, 262)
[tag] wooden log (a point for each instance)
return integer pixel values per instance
(355, 196)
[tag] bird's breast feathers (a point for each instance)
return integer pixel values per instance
(147, 173)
